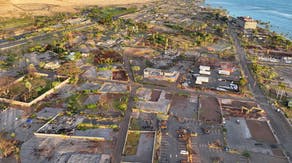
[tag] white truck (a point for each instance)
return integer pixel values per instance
(223, 72)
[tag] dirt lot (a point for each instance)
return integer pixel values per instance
(261, 131)
(209, 110)
(233, 108)
(120, 75)
(6, 80)
(139, 52)
(285, 73)
(182, 107)
(168, 96)
(238, 104)
(278, 152)
(16, 8)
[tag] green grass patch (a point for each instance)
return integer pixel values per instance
(174, 26)
(106, 15)
(134, 124)
(183, 93)
(86, 126)
(246, 154)
(122, 103)
(75, 102)
(91, 106)
(132, 143)
(16, 22)
(105, 68)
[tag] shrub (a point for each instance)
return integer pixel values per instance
(7, 146)
(91, 106)
(135, 68)
(242, 81)
(123, 107)
(246, 154)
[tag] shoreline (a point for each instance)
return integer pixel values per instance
(287, 34)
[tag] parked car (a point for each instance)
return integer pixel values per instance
(237, 121)
(183, 152)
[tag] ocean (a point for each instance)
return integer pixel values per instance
(277, 12)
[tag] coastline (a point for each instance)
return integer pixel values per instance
(258, 14)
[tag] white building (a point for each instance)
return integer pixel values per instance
(247, 22)
(203, 72)
(158, 74)
(205, 68)
(202, 79)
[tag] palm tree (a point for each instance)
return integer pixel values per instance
(27, 85)
(281, 89)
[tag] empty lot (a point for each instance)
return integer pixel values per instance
(261, 131)
(184, 107)
(209, 110)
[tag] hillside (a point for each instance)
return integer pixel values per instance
(17, 8)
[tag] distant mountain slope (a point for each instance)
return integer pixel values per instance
(16, 8)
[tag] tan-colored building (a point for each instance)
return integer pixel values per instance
(247, 22)
(158, 74)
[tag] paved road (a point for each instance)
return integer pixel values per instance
(117, 157)
(181, 91)
(278, 122)
(10, 44)
(128, 68)
(117, 154)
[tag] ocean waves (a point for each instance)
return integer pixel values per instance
(278, 13)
